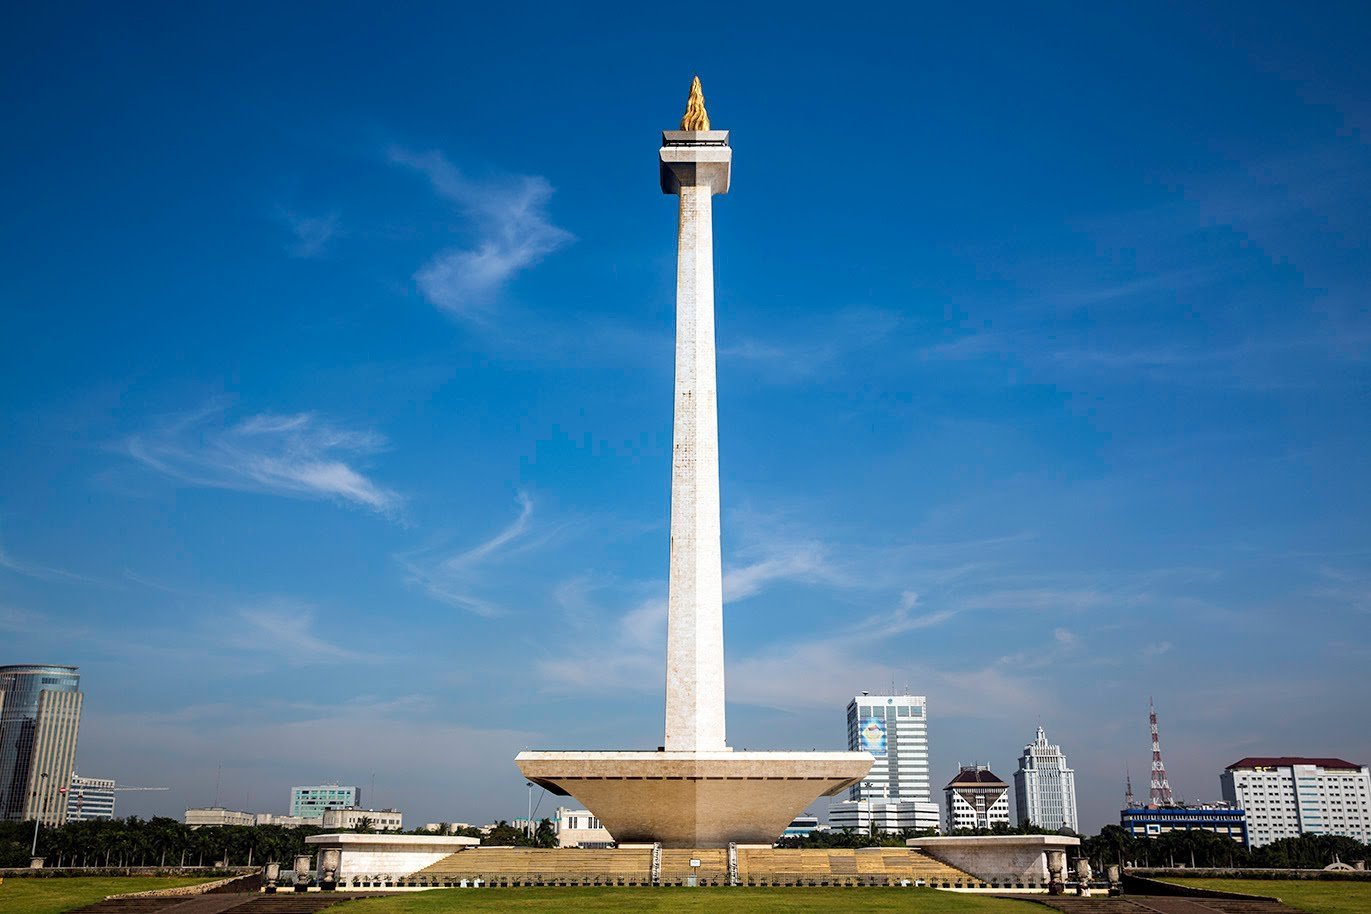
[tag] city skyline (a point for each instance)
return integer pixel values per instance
(338, 395)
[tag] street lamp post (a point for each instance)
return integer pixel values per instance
(37, 815)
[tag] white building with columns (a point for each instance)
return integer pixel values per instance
(1045, 787)
(896, 793)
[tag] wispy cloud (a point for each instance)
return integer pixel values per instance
(310, 234)
(12, 563)
(286, 629)
(512, 227)
(298, 455)
(828, 339)
(457, 578)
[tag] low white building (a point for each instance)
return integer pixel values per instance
(884, 815)
(268, 818)
(580, 828)
(211, 816)
(352, 817)
(1045, 787)
(1287, 796)
(976, 798)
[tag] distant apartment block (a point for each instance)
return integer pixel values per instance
(896, 793)
(212, 816)
(90, 799)
(1045, 787)
(1287, 796)
(1155, 821)
(351, 817)
(310, 802)
(40, 715)
(976, 798)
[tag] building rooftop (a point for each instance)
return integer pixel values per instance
(1287, 761)
(976, 777)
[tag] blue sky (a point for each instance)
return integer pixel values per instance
(337, 372)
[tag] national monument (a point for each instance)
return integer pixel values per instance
(695, 791)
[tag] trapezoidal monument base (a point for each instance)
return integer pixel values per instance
(695, 799)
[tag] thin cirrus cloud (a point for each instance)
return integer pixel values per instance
(297, 455)
(513, 233)
(310, 235)
(456, 579)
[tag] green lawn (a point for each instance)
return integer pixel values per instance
(53, 896)
(1315, 896)
(755, 900)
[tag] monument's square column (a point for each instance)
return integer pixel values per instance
(696, 792)
(695, 165)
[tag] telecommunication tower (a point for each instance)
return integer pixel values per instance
(1160, 794)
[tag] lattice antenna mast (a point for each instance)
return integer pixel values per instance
(1161, 788)
(1128, 800)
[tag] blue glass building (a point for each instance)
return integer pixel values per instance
(40, 714)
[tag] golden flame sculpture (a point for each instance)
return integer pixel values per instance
(695, 117)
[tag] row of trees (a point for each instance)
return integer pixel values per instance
(1206, 849)
(1114, 844)
(164, 841)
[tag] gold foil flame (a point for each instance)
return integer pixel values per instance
(696, 117)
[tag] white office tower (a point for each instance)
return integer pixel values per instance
(1287, 796)
(895, 794)
(1044, 787)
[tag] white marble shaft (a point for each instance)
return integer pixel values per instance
(695, 616)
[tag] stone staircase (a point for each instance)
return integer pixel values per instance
(847, 866)
(541, 866)
(513, 866)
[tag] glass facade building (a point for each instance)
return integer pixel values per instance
(310, 802)
(90, 799)
(40, 714)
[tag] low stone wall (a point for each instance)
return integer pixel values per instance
(248, 882)
(68, 872)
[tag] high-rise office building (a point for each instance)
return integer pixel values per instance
(90, 799)
(1044, 787)
(310, 802)
(1287, 796)
(40, 713)
(976, 799)
(895, 794)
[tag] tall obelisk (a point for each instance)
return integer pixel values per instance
(695, 165)
(698, 792)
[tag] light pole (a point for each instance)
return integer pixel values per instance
(528, 823)
(38, 816)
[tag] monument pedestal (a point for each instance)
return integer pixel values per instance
(695, 799)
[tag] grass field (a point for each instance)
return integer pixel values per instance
(53, 896)
(1315, 896)
(688, 901)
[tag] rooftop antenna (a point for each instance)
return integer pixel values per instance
(218, 777)
(1128, 800)
(1160, 793)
